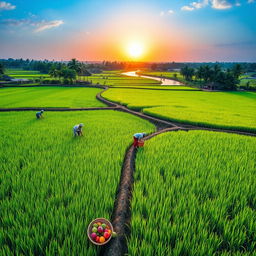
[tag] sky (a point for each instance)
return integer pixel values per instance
(129, 30)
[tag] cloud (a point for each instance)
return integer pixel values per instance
(250, 1)
(6, 6)
(45, 25)
(215, 4)
(169, 12)
(12, 22)
(39, 25)
(221, 4)
(198, 5)
(187, 8)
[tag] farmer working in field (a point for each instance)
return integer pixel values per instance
(39, 114)
(137, 137)
(78, 130)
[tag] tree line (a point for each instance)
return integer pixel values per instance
(214, 77)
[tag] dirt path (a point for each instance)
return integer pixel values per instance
(122, 208)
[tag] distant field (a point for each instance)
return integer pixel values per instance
(116, 79)
(49, 97)
(53, 185)
(194, 195)
(234, 110)
(252, 82)
(168, 87)
(164, 74)
(24, 74)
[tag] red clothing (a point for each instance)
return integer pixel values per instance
(135, 142)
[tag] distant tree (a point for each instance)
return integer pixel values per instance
(68, 74)
(199, 73)
(75, 65)
(206, 73)
(54, 72)
(237, 70)
(2, 69)
(187, 73)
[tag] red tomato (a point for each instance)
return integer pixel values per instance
(106, 235)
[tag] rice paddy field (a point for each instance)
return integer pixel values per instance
(25, 74)
(252, 83)
(194, 194)
(49, 97)
(117, 79)
(169, 74)
(52, 184)
(232, 110)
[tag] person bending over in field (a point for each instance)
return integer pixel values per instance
(78, 130)
(137, 137)
(40, 114)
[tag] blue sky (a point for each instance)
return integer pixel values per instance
(173, 30)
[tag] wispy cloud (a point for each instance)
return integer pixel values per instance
(187, 8)
(39, 25)
(45, 25)
(250, 1)
(215, 4)
(165, 13)
(6, 6)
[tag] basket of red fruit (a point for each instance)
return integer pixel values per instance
(100, 231)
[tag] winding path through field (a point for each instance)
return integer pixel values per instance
(122, 208)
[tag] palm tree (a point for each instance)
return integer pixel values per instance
(75, 65)
(237, 70)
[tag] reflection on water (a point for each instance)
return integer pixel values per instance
(164, 81)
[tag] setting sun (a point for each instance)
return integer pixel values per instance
(135, 49)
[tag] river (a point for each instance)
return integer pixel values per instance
(164, 81)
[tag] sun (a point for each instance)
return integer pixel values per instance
(135, 49)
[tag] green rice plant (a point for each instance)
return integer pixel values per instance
(25, 74)
(49, 97)
(53, 184)
(194, 194)
(168, 74)
(117, 79)
(161, 87)
(232, 110)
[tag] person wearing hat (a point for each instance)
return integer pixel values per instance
(137, 137)
(39, 114)
(77, 129)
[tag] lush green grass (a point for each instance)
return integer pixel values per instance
(234, 110)
(52, 184)
(117, 79)
(252, 83)
(163, 73)
(165, 87)
(24, 74)
(194, 194)
(49, 97)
